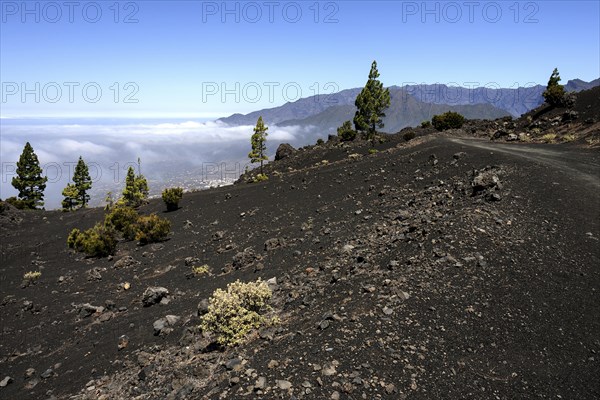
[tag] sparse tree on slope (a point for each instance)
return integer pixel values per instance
(29, 181)
(371, 103)
(555, 92)
(258, 144)
(136, 189)
(71, 199)
(83, 182)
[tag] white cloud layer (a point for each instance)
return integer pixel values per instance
(161, 146)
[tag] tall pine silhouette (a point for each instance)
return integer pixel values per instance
(371, 103)
(29, 180)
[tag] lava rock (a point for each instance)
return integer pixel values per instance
(284, 151)
(274, 243)
(126, 262)
(153, 295)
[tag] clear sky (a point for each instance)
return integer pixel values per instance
(205, 59)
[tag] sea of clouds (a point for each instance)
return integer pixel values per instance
(168, 150)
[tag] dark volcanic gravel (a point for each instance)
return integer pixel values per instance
(436, 269)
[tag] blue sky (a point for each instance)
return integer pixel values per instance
(175, 58)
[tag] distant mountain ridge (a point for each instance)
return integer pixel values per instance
(410, 105)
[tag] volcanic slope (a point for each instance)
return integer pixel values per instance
(437, 268)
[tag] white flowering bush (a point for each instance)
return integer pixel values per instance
(234, 312)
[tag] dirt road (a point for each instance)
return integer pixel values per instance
(578, 163)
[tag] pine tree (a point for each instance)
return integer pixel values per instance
(130, 193)
(371, 103)
(136, 189)
(71, 199)
(555, 92)
(258, 144)
(141, 183)
(83, 182)
(29, 181)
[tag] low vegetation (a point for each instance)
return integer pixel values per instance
(199, 270)
(345, 132)
(123, 219)
(171, 197)
(99, 241)
(410, 135)
(31, 277)
(235, 312)
(448, 120)
(152, 228)
(260, 178)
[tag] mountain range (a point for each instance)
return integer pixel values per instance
(410, 105)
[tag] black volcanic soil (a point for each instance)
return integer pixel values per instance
(396, 279)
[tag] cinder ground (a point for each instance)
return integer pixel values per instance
(396, 278)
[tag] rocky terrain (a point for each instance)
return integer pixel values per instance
(448, 266)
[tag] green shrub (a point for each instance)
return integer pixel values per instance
(234, 312)
(30, 278)
(123, 219)
(72, 239)
(409, 135)
(425, 124)
(320, 141)
(171, 198)
(200, 269)
(373, 151)
(20, 204)
(260, 178)
(345, 132)
(448, 120)
(549, 137)
(152, 228)
(98, 241)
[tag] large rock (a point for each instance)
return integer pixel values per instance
(126, 262)
(284, 150)
(244, 258)
(153, 295)
(485, 180)
(274, 243)
(164, 326)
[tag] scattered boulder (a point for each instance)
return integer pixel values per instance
(153, 295)
(485, 179)
(86, 309)
(244, 258)
(94, 274)
(164, 326)
(4, 382)
(190, 261)
(283, 151)
(274, 243)
(126, 262)
(123, 342)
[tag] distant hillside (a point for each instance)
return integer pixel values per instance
(404, 111)
(515, 101)
(421, 102)
(299, 109)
